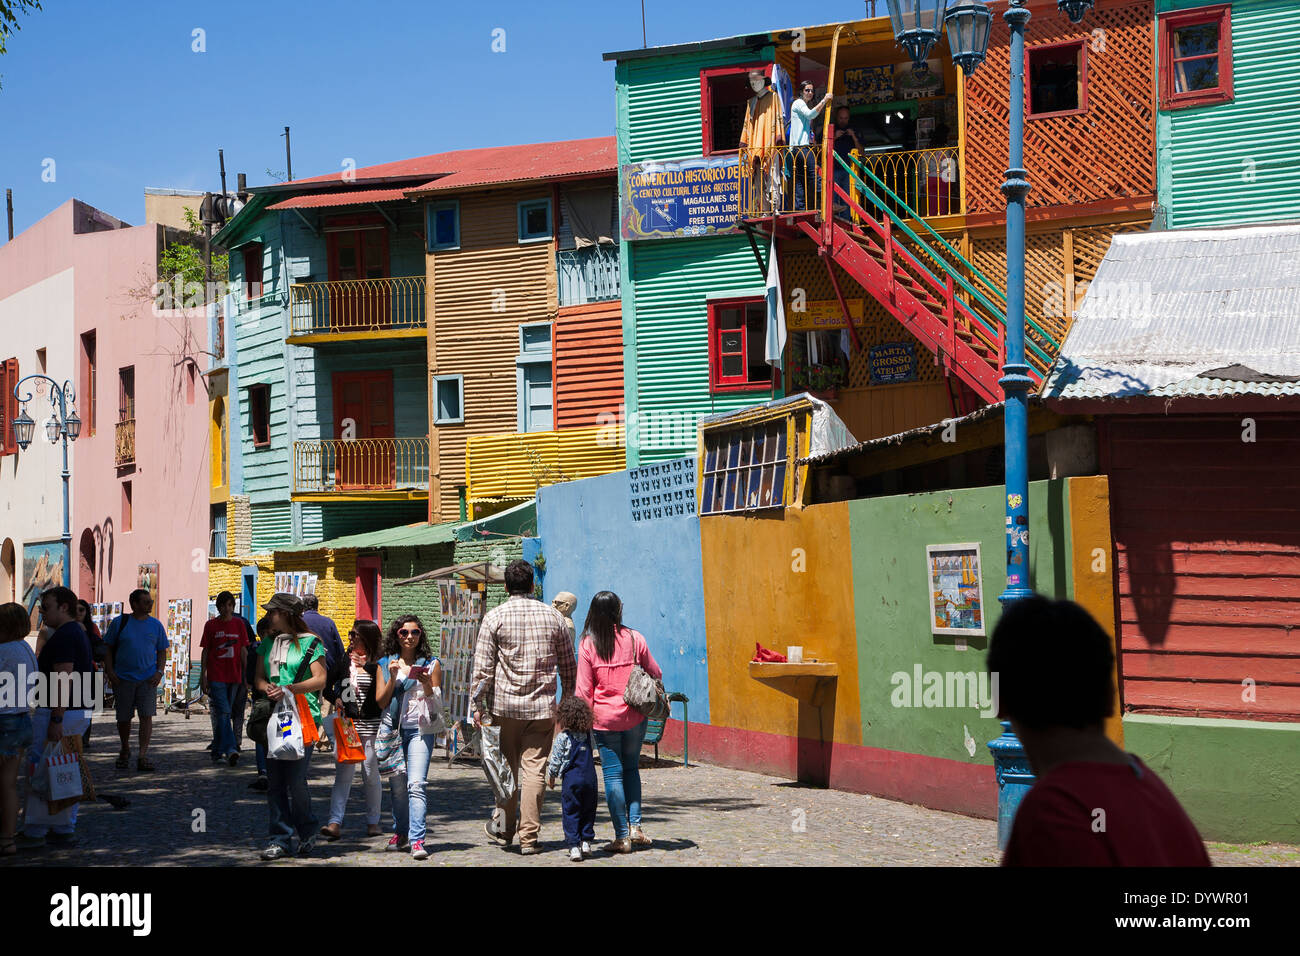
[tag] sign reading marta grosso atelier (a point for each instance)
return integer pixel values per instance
(689, 197)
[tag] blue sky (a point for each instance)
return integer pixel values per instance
(115, 95)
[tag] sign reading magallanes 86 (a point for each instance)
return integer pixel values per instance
(677, 199)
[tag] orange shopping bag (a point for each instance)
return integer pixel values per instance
(310, 735)
(348, 747)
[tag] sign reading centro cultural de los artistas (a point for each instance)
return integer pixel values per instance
(688, 197)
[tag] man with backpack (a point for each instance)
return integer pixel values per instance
(137, 645)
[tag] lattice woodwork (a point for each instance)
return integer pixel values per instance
(1106, 152)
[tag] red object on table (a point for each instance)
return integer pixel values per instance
(762, 654)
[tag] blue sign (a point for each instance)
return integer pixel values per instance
(892, 362)
(690, 197)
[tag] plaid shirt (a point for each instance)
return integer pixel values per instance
(521, 646)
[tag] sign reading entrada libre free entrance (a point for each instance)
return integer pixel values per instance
(688, 197)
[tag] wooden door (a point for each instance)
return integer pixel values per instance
(369, 583)
(363, 411)
(354, 255)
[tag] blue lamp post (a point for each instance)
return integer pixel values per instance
(969, 21)
(63, 424)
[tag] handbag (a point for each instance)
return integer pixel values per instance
(284, 739)
(645, 694)
(310, 735)
(388, 748)
(263, 706)
(348, 747)
(495, 766)
(64, 777)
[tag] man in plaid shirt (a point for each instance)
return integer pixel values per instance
(522, 645)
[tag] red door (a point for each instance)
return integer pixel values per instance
(368, 588)
(363, 414)
(354, 255)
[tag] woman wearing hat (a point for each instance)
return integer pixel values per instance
(293, 660)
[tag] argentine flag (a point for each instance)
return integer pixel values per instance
(775, 312)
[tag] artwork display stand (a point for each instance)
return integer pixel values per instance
(462, 615)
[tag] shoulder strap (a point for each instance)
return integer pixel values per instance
(304, 665)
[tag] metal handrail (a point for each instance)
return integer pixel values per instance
(357, 305)
(780, 170)
(588, 275)
(912, 170)
(360, 464)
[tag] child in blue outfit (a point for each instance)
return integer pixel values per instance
(571, 760)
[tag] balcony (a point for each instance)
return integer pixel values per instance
(124, 443)
(514, 466)
(361, 469)
(357, 309)
(588, 275)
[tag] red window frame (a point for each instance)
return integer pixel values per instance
(717, 381)
(8, 406)
(259, 414)
(1082, 45)
(253, 264)
(128, 508)
(706, 103)
(1169, 22)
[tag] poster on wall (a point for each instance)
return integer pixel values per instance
(912, 83)
(147, 578)
(869, 84)
(892, 362)
(689, 197)
(956, 590)
(821, 314)
(43, 565)
(180, 620)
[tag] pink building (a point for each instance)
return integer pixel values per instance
(76, 303)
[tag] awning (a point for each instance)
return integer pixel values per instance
(361, 197)
(478, 572)
(405, 536)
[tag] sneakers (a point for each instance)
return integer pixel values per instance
(274, 852)
(418, 852)
(586, 848)
(395, 843)
(529, 850)
(623, 845)
(260, 783)
(494, 835)
(305, 847)
(575, 854)
(639, 838)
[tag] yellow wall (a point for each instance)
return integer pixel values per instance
(336, 586)
(1092, 555)
(752, 592)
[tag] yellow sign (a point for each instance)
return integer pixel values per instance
(821, 315)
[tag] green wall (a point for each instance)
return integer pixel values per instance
(422, 599)
(891, 604)
(1239, 780)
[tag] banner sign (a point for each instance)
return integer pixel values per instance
(869, 84)
(892, 362)
(690, 197)
(822, 314)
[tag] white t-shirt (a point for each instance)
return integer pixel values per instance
(17, 660)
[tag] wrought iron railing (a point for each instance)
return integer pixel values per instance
(588, 275)
(357, 305)
(779, 180)
(516, 465)
(925, 179)
(124, 442)
(361, 464)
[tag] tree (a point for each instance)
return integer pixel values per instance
(9, 10)
(185, 258)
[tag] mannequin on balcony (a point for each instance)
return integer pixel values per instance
(764, 129)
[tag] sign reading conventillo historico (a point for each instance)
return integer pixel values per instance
(689, 197)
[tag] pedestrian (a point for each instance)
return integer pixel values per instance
(1091, 804)
(292, 661)
(802, 115)
(98, 651)
(572, 761)
(410, 692)
(523, 648)
(336, 661)
(353, 696)
(137, 653)
(605, 660)
(18, 671)
(844, 143)
(62, 712)
(260, 634)
(221, 673)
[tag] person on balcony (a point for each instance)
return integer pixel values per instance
(940, 173)
(764, 130)
(846, 140)
(802, 114)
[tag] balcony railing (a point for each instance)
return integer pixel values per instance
(124, 442)
(588, 275)
(362, 466)
(516, 465)
(925, 179)
(351, 306)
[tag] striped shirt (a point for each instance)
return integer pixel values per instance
(365, 685)
(522, 646)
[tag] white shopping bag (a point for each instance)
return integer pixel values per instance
(64, 775)
(284, 730)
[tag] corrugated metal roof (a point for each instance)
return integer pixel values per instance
(1168, 308)
(341, 199)
(405, 536)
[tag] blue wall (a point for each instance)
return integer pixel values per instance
(590, 543)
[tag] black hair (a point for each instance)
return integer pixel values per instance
(574, 715)
(62, 597)
(137, 593)
(92, 629)
(223, 597)
(519, 577)
(604, 618)
(392, 645)
(1054, 665)
(370, 637)
(310, 602)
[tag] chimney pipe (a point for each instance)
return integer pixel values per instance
(9, 206)
(241, 187)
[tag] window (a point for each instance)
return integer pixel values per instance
(217, 456)
(126, 394)
(745, 469)
(724, 94)
(126, 506)
(8, 405)
(737, 334)
(40, 359)
(449, 399)
(534, 411)
(87, 404)
(535, 220)
(1196, 57)
(1058, 79)
(190, 379)
(259, 414)
(252, 271)
(442, 225)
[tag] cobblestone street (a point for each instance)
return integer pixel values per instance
(697, 815)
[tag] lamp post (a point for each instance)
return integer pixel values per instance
(62, 423)
(916, 28)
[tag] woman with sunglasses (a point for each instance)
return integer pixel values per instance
(410, 693)
(353, 695)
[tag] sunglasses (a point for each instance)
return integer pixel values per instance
(413, 632)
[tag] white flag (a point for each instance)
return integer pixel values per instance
(775, 312)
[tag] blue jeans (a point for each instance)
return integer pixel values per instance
(239, 699)
(261, 758)
(222, 696)
(289, 801)
(409, 802)
(620, 750)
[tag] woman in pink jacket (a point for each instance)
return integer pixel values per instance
(605, 660)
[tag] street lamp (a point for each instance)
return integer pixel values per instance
(968, 35)
(62, 423)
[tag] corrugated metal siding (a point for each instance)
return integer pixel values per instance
(472, 339)
(673, 278)
(588, 364)
(1207, 542)
(272, 527)
(501, 466)
(1237, 162)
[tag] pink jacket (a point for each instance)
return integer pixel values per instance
(601, 683)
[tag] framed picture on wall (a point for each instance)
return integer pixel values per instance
(956, 589)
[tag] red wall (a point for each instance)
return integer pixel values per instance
(588, 363)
